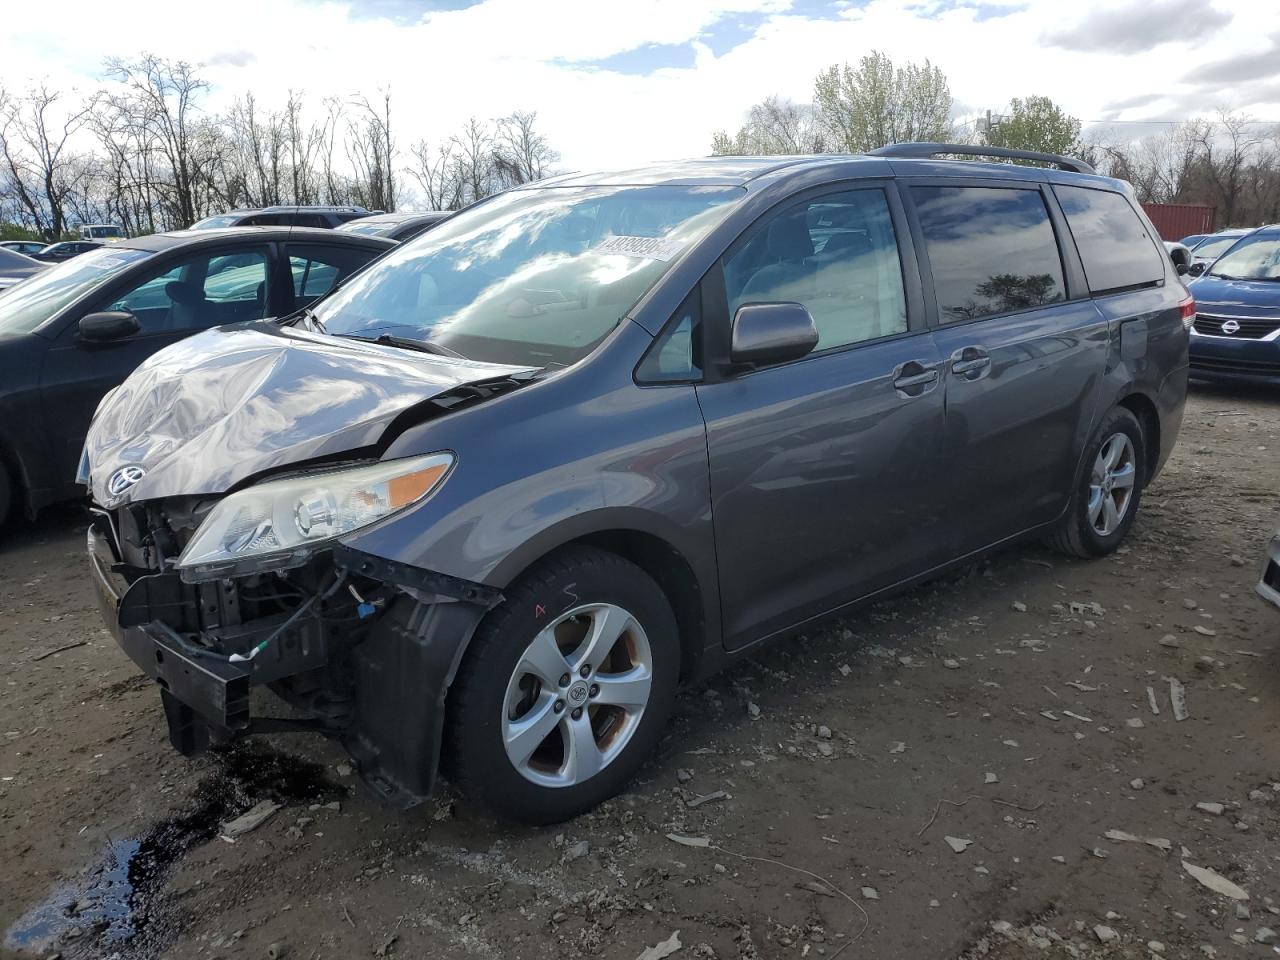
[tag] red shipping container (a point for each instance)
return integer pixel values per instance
(1173, 221)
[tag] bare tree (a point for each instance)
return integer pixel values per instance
(473, 161)
(435, 171)
(159, 161)
(774, 126)
(371, 149)
(1226, 147)
(160, 98)
(34, 133)
(304, 143)
(521, 153)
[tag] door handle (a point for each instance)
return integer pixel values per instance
(972, 363)
(914, 378)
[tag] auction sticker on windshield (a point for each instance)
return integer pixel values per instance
(652, 248)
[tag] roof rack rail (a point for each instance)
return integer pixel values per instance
(926, 150)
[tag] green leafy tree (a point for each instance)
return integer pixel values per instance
(1037, 123)
(877, 103)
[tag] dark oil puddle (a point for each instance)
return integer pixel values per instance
(118, 904)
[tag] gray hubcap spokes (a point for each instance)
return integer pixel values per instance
(1111, 484)
(576, 696)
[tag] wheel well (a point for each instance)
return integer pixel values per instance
(673, 575)
(1142, 408)
(12, 469)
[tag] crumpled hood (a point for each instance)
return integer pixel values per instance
(202, 415)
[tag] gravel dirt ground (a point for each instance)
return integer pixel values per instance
(935, 776)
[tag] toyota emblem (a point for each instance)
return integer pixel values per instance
(124, 478)
(1231, 327)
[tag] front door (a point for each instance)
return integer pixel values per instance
(825, 473)
(1024, 361)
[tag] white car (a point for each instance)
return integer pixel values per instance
(107, 232)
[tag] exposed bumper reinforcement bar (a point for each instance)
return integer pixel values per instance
(399, 673)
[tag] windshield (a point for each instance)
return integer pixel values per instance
(530, 277)
(1214, 247)
(222, 220)
(99, 233)
(34, 301)
(1256, 257)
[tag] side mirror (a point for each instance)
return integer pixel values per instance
(108, 325)
(1196, 268)
(765, 333)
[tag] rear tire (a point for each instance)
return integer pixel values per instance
(565, 688)
(1108, 495)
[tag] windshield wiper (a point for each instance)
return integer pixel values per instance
(309, 315)
(409, 343)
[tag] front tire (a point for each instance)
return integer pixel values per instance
(565, 689)
(1107, 498)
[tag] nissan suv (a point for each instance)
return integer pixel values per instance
(483, 507)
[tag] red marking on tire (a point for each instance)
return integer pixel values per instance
(539, 610)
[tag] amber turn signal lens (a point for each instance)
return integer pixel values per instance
(404, 490)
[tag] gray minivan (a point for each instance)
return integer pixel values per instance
(487, 504)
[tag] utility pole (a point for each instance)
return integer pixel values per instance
(989, 122)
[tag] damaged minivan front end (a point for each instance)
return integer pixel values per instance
(249, 582)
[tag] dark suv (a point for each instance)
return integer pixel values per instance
(490, 501)
(312, 216)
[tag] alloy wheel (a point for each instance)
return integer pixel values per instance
(1111, 484)
(576, 695)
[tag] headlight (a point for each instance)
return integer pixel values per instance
(285, 519)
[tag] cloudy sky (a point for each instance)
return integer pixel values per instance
(620, 81)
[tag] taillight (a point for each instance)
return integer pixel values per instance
(1187, 308)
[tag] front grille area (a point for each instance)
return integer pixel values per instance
(1249, 329)
(1256, 368)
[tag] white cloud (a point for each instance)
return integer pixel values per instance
(515, 54)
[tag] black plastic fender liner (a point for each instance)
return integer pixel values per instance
(402, 673)
(426, 585)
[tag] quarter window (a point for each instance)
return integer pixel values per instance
(991, 250)
(316, 268)
(837, 255)
(1115, 248)
(674, 356)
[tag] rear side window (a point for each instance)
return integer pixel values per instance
(1115, 248)
(991, 250)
